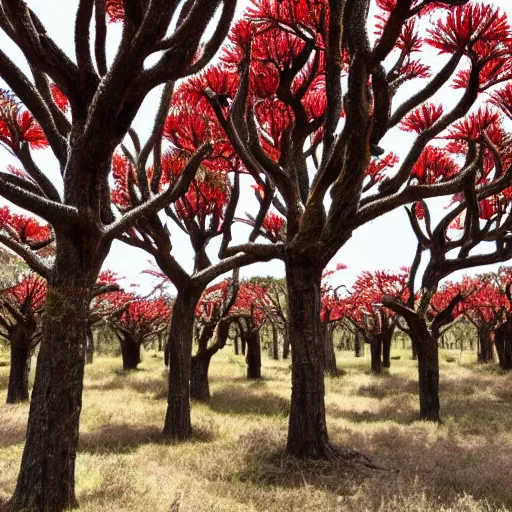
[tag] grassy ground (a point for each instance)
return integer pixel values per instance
(235, 461)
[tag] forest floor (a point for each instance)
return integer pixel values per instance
(235, 461)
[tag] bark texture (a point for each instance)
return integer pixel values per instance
(428, 373)
(307, 429)
(46, 482)
(177, 419)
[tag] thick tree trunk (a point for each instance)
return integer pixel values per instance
(17, 390)
(329, 354)
(428, 372)
(199, 384)
(386, 350)
(46, 482)
(307, 428)
(177, 419)
(376, 354)
(253, 356)
(484, 354)
(130, 352)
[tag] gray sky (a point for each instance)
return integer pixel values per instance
(386, 243)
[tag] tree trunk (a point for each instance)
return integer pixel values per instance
(177, 419)
(89, 349)
(199, 384)
(236, 348)
(428, 372)
(503, 342)
(275, 343)
(484, 354)
(286, 343)
(253, 357)
(46, 482)
(166, 353)
(414, 350)
(329, 354)
(243, 344)
(307, 428)
(386, 350)
(357, 344)
(17, 390)
(376, 354)
(130, 352)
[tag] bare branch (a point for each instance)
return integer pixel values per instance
(32, 259)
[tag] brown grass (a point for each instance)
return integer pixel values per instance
(235, 461)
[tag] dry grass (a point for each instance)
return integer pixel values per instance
(235, 461)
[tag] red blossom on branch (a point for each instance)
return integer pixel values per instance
(422, 118)
(18, 125)
(463, 26)
(434, 165)
(23, 228)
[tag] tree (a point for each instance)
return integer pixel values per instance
(134, 321)
(213, 323)
(249, 314)
(364, 310)
(484, 309)
(486, 219)
(205, 212)
(332, 311)
(21, 306)
(489, 309)
(289, 104)
(104, 99)
(108, 282)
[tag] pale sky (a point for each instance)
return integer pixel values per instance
(386, 243)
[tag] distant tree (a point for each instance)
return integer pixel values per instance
(489, 308)
(134, 321)
(100, 306)
(248, 313)
(20, 311)
(484, 309)
(213, 322)
(376, 324)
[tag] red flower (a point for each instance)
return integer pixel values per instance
(422, 118)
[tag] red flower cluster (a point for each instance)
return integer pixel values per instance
(18, 125)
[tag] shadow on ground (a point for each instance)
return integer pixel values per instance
(248, 400)
(125, 438)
